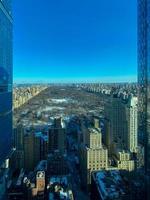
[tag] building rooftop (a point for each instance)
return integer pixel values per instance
(96, 148)
(94, 130)
(59, 179)
(61, 188)
(110, 184)
(42, 165)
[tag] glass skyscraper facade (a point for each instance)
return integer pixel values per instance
(144, 78)
(142, 67)
(144, 84)
(5, 78)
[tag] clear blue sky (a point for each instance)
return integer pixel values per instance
(75, 40)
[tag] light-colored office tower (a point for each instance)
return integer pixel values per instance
(115, 112)
(96, 122)
(92, 137)
(132, 123)
(124, 160)
(93, 156)
(57, 137)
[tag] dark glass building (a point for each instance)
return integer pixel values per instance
(5, 78)
(144, 82)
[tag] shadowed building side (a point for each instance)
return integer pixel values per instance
(144, 80)
(5, 79)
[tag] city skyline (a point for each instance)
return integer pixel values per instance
(88, 141)
(75, 40)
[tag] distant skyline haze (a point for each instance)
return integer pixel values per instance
(75, 41)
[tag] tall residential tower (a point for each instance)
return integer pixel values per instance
(5, 78)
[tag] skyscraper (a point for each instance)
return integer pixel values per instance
(144, 80)
(131, 116)
(32, 150)
(5, 78)
(93, 155)
(115, 113)
(57, 137)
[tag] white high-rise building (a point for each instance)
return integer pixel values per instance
(132, 120)
(93, 155)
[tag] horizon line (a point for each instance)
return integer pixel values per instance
(107, 79)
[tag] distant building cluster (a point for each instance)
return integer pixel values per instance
(121, 89)
(39, 163)
(22, 95)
